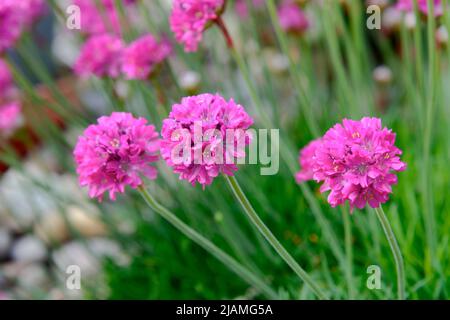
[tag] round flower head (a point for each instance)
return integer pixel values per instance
(408, 5)
(101, 56)
(306, 160)
(142, 56)
(190, 18)
(357, 161)
(11, 24)
(292, 18)
(100, 18)
(6, 80)
(10, 118)
(114, 153)
(204, 136)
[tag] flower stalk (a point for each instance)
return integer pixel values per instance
(268, 235)
(210, 247)
(395, 251)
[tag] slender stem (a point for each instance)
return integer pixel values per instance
(210, 247)
(226, 34)
(395, 251)
(348, 253)
(253, 216)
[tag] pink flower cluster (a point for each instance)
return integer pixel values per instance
(10, 118)
(306, 160)
(408, 5)
(214, 117)
(142, 56)
(114, 153)
(15, 16)
(190, 18)
(102, 18)
(100, 55)
(106, 55)
(356, 161)
(292, 18)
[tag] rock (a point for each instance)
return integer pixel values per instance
(29, 249)
(86, 223)
(5, 242)
(33, 276)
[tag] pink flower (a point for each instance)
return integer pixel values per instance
(114, 153)
(32, 9)
(242, 8)
(292, 18)
(357, 161)
(142, 56)
(190, 18)
(11, 24)
(100, 19)
(204, 136)
(101, 56)
(6, 80)
(408, 5)
(10, 118)
(306, 160)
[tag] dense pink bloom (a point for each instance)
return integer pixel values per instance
(114, 153)
(292, 18)
(204, 136)
(6, 79)
(357, 161)
(408, 5)
(306, 160)
(190, 18)
(11, 23)
(10, 118)
(142, 56)
(101, 55)
(104, 18)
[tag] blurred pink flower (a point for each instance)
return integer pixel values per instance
(242, 8)
(142, 56)
(100, 55)
(10, 118)
(189, 18)
(306, 160)
(114, 153)
(11, 24)
(32, 9)
(292, 18)
(214, 132)
(6, 79)
(100, 19)
(357, 161)
(408, 5)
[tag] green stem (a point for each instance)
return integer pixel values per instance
(349, 254)
(220, 255)
(395, 251)
(253, 216)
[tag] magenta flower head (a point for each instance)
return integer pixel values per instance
(101, 18)
(10, 118)
(190, 18)
(292, 18)
(306, 160)
(142, 56)
(357, 161)
(32, 10)
(115, 153)
(11, 24)
(6, 79)
(204, 136)
(408, 5)
(100, 55)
